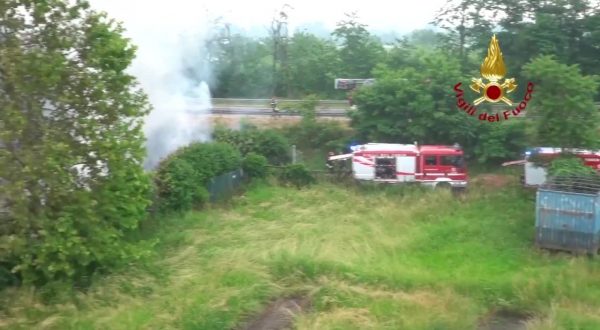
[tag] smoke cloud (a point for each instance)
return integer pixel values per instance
(172, 67)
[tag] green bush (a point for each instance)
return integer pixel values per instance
(255, 165)
(317, 135)
(268, 143)
(297, 175)
(273, 146)
(498, 142)
(177, 191)
(182, 177)
(569, 165)
(569, 173)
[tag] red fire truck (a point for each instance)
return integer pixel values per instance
(434, 165)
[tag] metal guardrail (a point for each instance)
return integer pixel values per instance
(269, 112)
(297, 101)
(268, 101)
(325, 108)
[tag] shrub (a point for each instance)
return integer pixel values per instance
(297, 175)
(500, 142)
(182, 177)
(568, 173)
(569, 165)
(308, 109)
(317, 135)
(268, 143)
(274, 146)
(255, 165)
(177, 190)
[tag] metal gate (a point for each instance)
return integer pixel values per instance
(223, 186)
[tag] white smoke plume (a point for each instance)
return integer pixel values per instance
(172, 68)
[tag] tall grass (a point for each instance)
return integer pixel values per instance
(370, 257)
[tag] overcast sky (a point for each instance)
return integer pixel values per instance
(383, 15)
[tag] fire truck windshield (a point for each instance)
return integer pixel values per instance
(456, 161)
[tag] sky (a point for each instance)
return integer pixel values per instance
(382, 15)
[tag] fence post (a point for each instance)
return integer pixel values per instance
(294, 154)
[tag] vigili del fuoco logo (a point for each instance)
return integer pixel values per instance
(494, 90)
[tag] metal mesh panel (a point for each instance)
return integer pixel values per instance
(584, 184)
(224, 185)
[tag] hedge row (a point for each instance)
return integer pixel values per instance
(267, 142)
(181, 178)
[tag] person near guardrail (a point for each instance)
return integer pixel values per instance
(274, 104)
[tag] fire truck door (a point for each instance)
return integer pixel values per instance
(405, 168)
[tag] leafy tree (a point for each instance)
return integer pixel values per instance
(568, 29)
(500, 141)
(415, 103)
(66, 100)
(468, 28)
(360, 51)
(563, 104)
(313, 134)
(425, 38)
(313, 64)
(243, 68)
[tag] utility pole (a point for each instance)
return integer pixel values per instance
(294, 154)
(279, 36)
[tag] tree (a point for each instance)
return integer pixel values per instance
(313, 64)
(568, 29)
(468, 27)
(415, 103)
(360, 51)
(563, 104)
(500, 141)
(66, 100)
(243, 68)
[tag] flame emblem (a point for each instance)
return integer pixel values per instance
(493, 69)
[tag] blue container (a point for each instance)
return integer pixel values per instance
(568, 221)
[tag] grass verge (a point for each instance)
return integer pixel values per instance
(385, 258)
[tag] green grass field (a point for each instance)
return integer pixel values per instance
(369, 258)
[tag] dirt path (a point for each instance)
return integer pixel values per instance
(280, 314)
(494, 181)
(504, 320)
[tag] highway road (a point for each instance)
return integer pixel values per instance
(268, 112)
(260, 107)
(255, 111)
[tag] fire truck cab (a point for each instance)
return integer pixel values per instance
(433, 165)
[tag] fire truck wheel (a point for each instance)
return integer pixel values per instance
(442, 185)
